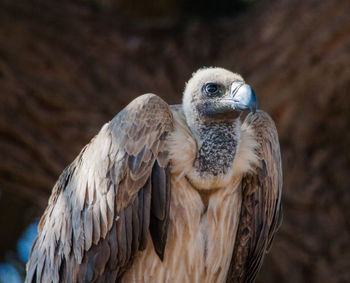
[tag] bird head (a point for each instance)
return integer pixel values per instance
(215, 94)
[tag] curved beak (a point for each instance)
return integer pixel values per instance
(243, 97)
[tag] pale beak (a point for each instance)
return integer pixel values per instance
(243, 97)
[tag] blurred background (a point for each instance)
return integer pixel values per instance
(67, 67)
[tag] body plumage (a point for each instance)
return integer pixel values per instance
(185, 193)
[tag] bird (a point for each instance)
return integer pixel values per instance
(181, 193)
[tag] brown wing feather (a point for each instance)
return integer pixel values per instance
(261, 213)
(106, 201)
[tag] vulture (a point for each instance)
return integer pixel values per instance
(180, 193)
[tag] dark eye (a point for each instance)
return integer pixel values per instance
(211, 88)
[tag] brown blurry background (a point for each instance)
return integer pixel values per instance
(67, 67)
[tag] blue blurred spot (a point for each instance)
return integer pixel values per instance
(26, 241)
(8, 273)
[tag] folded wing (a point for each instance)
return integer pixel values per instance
(261, 212)
(107, 201)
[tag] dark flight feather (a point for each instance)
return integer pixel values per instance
(99, 213)
(261, 212)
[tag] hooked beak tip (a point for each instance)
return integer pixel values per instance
(244, 97)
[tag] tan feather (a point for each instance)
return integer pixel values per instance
(94, 215)
(261, 207)
(111, 218)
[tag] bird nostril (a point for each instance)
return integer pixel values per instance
(235, 88)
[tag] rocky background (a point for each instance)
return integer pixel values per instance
(67, 67)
